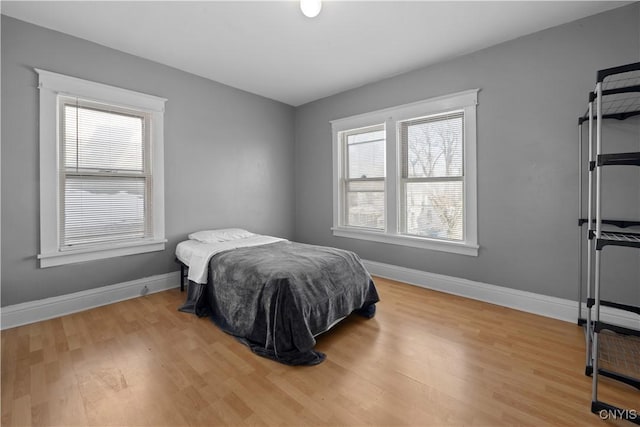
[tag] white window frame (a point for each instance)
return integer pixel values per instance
(466, 101)
(51, 86)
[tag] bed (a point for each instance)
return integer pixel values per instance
(272, 294)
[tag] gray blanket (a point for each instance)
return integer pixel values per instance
(276, 298)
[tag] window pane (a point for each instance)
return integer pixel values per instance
(366, 159)
(365, 209)
(103, 209)
(365, 153)
(432, 147)
(434, 209)
(102, 140)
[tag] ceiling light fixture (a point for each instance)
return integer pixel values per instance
(310, 8)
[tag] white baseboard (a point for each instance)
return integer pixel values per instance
(49, 308)
(543, 305)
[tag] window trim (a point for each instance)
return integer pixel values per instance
(390, 117)
(51, 85)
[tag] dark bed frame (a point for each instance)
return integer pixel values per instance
(184, 274)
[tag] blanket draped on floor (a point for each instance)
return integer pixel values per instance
(277, 297)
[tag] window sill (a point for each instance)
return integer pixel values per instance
(461, 248)
(92, 253)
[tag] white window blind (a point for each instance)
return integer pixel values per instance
(432, 181)
(105, 173)
(364, 177)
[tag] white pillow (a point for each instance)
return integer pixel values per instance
(220, 235)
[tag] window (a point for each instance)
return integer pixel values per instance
(101, 174)
(432, 180)
(364, 177)
(407, 175)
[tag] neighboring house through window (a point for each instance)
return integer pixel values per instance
(101, 171)
(407, 175)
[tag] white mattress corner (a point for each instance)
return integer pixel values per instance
(184, 250)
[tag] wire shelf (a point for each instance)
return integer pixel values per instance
(620, 103)
(632, 159)
(619, 353)
(621, 91)
(618, 239)
(619, 80)
(621, 237)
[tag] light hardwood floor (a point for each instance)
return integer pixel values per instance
(426, 359)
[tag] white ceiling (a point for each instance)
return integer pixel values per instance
(271, 49)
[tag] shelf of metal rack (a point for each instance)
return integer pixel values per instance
(617, 239)
(619, 159)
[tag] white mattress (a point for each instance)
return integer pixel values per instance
(196, 255)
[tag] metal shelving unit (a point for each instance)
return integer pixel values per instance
(613, 351)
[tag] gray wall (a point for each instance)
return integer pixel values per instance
(532, 91)
(228, 159)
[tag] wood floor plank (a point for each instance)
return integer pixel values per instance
(426, 359)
